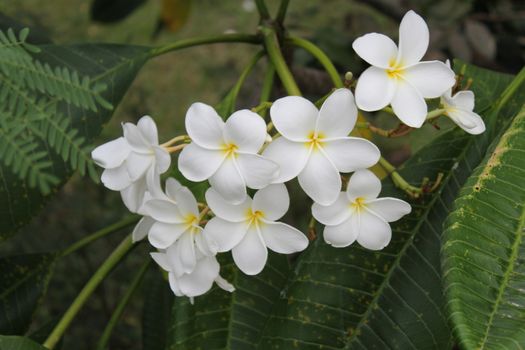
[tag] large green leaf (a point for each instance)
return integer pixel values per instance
(484, 249)
(24, 282)
(113, 65)
(222, 320)
(18, 343)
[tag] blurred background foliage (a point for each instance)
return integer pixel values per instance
(487, 33)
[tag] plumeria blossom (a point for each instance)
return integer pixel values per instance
(249, 228)
(225, 153)
(133, 163)
(315, 146)
(176, 225)
(397, 76)
(358, 214)
(196, 282)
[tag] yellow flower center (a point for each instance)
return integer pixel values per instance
(395, 71)
(230, 150)
(254, 217)
(191, 220)
(315, 140)
(358, 204)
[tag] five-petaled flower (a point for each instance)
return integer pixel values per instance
(315, 146)
(133, 163)
(358, 214)
(248, 228)
(225, 153)
(397, 76)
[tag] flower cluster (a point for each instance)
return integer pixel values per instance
(310, 144)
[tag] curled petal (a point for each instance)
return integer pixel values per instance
(225, 285)
(186, 202)
(413, 39)
(161, 260)
(320, 179)
(273, 201)
(257, 171)
(374, 90)
(294, 117)
(335, 213)
(343, 234)
(289, 155)
(204, 126)
(246, 130)
(111, 154)
(116, 179)
(224, 235)
(283, 238)
(172, 187)
(351, 153)
(337, 115)
(374, 232)
(468, 121)
(186, 252)
(148, 129)
(198, 164)
(363, 184)
(142, 228)
(390, 209)
(137, 165)
(135, 139)
(201, 279)
(164, 211)
(162, 235)
(228, 182)
(133, 195)
(432, 79)
(463, 100)
(226, 210)
(376, 49)
(162, 159)
(174, 285)
(250, 254)
(408, 104)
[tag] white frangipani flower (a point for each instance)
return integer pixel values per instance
(397, 76)
(315, 146)
(133, 163)
(176, 226)
(198, 281)
(249, 228)
(358, 214)
(226, 153)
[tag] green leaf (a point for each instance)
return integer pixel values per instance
(484, 249)
(24, 282)
(18, 343)
(223, 320)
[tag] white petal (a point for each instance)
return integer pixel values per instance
(351, 153)
(164, 211)
(246, 130)
(186, 252)
(172, 186)
(464, 100)
(335, 213)
(153, 186)
(135, 139)
(161, 260)
(226, 210)
(376, 49)
(173, 258)
(320, 179)
(137, 164)
(337, 115)
(257, 171)
(202, 243)
(363, 184)
(250, 254)
(224, 235)
(142, 228)
(344, 234)
(228, 182)
(294, 117)
(116, 179)
(111, 154)
(197, 163)
(390, 209)
(186, 202)
(409, 105)
(162, 235)
(413, 39)
(431, 79)
(290, 156)
(374, 232)
(225, 285)
(204, 126)
(374, 89)
(133, 195)
(273, 201)
(162, 159)
(468, 121)
(174, 285)
(148, 129)
(201, 279)
(283, 238)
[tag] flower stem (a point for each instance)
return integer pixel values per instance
(262, 9)
(262, 107)
(267, 88)
(281, 13)
(128, 221)
(104, 339)
(175, 148)
(398, 179)
(175, 140)
(320, 56)
(116, 256)
(223, 38)
(400, 130)
(274, 53)
(434, 114)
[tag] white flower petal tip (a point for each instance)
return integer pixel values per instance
(358, 215)
(460, 109)
(397, 76)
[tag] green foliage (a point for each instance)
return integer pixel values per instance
(24, 281)
(18, 343)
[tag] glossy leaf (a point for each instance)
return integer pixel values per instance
(24, 282)
(18, 343)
